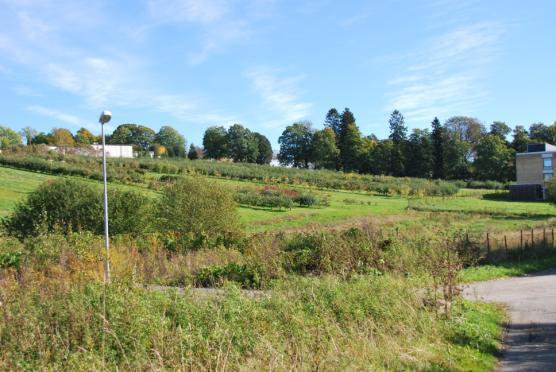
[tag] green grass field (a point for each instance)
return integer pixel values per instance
(468, 210)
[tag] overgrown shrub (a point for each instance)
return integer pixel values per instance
(247, 276)
(67, 206)
(196, 207)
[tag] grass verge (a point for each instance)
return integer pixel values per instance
(506, 269)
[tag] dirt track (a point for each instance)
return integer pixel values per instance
(530, 342)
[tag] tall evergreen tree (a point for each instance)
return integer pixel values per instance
(419, 158)
(437, 141)
(398, 135)
(398, 130)
(193, 154)
(350, 142)
(333, 121)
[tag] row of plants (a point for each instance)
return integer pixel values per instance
(73, 165)
(131, 170)
(318, 178)
(279, 197)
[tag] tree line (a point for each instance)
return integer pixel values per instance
(460, 148)
(237, 143)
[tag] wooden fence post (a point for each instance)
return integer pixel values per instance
(506, 245)
(521, 240)
(532, 238)
(488, 245)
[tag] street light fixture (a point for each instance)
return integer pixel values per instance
(105, 118)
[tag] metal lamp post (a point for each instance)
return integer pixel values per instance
(105, 118)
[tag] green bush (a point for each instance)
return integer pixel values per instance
(196, 207)
(11, 253)
(247, 276)
(67, 206)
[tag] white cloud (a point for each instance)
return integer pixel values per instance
(280, 94)
(32, 27)
(188, 109)
(100, 81)
(25, 90)
(57, 115)
(202, 11)
(218, 38)
(358, 18)
(105, 77)
(447, 74)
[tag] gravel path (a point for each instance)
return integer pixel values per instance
(530, 341)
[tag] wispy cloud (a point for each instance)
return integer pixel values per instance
(25, 90)
(351, 21)
(202, 11)
(280, 94)
(57, 115)
(218, 38)
(221, 23)
(447, 74)
(188, 109)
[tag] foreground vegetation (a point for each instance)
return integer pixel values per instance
(305, 324)
(329, 277)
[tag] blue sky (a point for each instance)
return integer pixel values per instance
(268, 63)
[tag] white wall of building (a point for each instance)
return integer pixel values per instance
(115, 151)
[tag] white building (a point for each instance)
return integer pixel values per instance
(112, 151)
(115, 151)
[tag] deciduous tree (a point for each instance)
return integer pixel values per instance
(9, 137)
(172, 140)
(495, 160)
(61, 137)
(520, 139)
(132, 134)
(296, 145)
(242, 144)
(29, 133)
(84, 137)
(215, 143)
(325, 151)
(265, 149)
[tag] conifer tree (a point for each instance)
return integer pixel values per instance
(437, 140)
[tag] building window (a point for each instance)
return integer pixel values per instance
(547, 163)
(548, 176)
